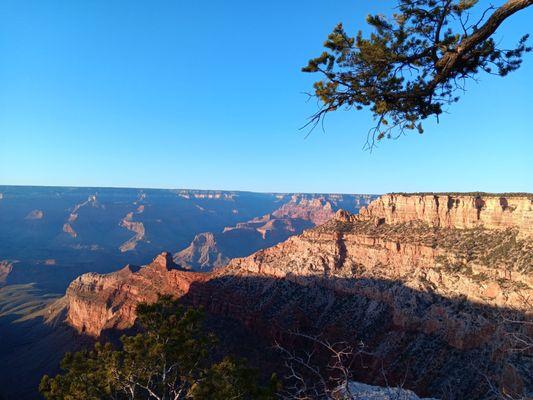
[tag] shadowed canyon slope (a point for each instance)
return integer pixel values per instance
(427, 282)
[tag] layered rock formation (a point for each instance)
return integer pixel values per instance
(97, 302)
(6, 267)
(316, 210)
(457, 210)
(430, 299)
(211, 250)
(135, 227)
(411, 268)
(202, 254)
(81, 231)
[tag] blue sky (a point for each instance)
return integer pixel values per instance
(208, 95)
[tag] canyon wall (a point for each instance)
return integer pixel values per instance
(97, 302)
(427, 291)
(457, 211)
(210, 250)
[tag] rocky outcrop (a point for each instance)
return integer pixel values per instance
(316, 210)
(407, 267)
(135, 227)
(457, 210)
(203, 253)
(97, 302)
(35, 214)
(360, 391)
(91, 200)
(73, 216)
(67, 228)
(5, 269)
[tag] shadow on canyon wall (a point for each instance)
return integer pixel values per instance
(30, 348)
(436, 346)
(446, 348)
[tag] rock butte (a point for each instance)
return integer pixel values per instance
(96, 302)
(409, 274)
(35, 214)
(210, 250)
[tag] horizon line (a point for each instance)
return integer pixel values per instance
(420, 193)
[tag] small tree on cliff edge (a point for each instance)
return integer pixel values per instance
(413, 63)
(169, 359)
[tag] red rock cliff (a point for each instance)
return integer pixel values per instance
(97, 302)
(456, 211)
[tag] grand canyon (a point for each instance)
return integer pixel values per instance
(276, 200)
(52, 235)
(436, 286)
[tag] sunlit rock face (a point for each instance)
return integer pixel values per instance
(97, 302)
(427, 297)
(360, 391)
(211, 250)
(6, 267)
(457, 211)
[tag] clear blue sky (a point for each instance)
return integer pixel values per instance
(208, 94)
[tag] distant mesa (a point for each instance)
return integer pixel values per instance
(35, 214)
(202, 254)
(206, 194)
(67, 228)
(135, 227)
(5, 269)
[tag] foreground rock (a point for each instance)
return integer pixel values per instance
(360, 391)
(429, 299)
(97, 302)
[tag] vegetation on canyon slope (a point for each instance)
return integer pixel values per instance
(169, 359)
